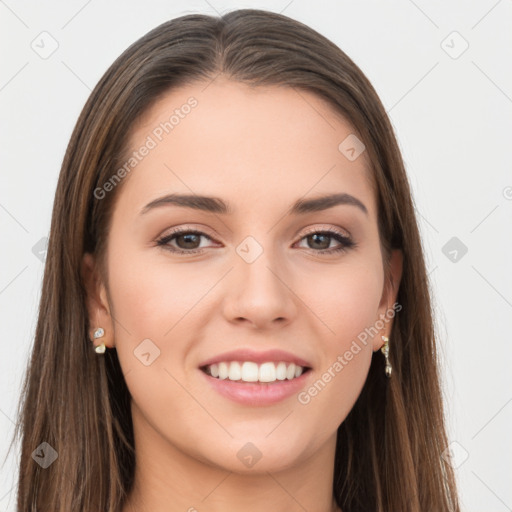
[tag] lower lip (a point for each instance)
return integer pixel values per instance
(257, 393)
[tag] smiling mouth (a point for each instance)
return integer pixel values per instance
(250, 372)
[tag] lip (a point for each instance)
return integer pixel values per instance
(258, 393)
(267, 356)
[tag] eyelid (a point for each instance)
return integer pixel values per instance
(308, 230)
(164, 239)
(316, 228)
(185, 228)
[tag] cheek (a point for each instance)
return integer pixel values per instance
(156, 307)
(347, 299)
(350, 311)
(149, 297)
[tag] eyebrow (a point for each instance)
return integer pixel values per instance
(218, 205)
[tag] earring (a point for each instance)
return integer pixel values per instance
(385, 350)
(98, 333)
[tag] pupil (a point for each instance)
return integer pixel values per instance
(316, 236)
(188, 240)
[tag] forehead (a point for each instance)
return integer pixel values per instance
(247, 144)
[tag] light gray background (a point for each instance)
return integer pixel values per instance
(452, 113)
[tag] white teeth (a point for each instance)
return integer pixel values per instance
(281, 371)
(235, 371)
(252, 372)
(223, 371)
(267, 372)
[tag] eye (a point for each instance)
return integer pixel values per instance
(322, 240)
(188, 241)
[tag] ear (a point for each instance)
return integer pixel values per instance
(98, 308)
(387, 310)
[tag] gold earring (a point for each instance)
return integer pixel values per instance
(385, 350)
(98, 333)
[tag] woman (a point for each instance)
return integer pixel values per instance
(235, 312)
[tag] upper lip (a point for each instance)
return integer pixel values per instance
(274, 355)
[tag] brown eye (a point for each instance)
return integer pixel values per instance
(320, 241)
(186, 241)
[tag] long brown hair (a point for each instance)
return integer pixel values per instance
(389, 453)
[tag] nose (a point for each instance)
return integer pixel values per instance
(260, 293)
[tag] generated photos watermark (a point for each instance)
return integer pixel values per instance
(304, 397)
(157, 135)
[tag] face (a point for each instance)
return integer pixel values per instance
(252, 271)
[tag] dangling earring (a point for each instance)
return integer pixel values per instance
(98, 333)
(385, 350)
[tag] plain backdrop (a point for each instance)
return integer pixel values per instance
(443, 72)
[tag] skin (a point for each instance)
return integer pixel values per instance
(261, 150)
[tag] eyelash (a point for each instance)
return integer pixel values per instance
(346, 242)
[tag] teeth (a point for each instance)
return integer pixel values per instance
(235, 371)
(252, 372)
(281, 371)
(267, 372)
(223, 371)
